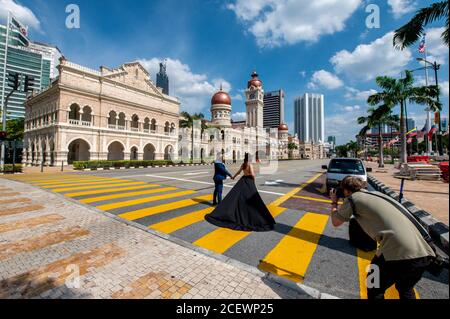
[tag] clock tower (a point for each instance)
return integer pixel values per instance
(254, 101)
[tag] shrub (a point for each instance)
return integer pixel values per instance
(8, 168)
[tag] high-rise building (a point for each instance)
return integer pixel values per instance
(162, 79)
(410, 124)
(444, 124)
(309, 118)
(18, 54)
(332, 140)
(273, 109)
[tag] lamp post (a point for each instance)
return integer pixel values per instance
(436, 67)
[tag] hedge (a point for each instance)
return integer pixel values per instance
(79, 165)
(8, 168)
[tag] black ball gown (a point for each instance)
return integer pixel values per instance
(242, 209)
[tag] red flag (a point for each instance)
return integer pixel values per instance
(431, 132)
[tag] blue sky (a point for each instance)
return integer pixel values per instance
(298, 45)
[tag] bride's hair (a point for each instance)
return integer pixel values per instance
(246, 160)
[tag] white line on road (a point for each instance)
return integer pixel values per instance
(207, 183)
(197, 173)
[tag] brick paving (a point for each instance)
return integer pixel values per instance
(51, 247)
(431, 196)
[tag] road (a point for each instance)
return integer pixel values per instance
(303, 247)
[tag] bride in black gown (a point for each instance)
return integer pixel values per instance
(243, 208)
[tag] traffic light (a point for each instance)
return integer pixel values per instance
(13, 80)
(2, 135)
(29, 82)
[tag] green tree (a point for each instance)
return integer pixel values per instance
(353, 148)
(398, 92)
(414, 29)
(188, 122)
(15, 129)
(377, 118)
(292, 146)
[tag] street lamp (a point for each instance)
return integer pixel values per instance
(435, 67)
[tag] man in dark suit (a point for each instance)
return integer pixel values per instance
(220, 174)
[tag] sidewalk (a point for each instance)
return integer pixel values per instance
(432, 196)
(45, 240)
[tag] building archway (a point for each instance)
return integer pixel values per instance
(168, 153)
(234, 156)
(78, 151)
(134, 154)
(115, 151)
(149, 152)
(52, 153)
(74, 112)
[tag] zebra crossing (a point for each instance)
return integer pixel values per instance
(295, 250)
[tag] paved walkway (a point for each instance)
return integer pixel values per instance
(431, 196)
(46, 241)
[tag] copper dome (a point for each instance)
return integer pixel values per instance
(221, 97)
(254, 81)
(283, 127)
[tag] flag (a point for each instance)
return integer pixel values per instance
(421, 134)
(422, 45)
(431, 132)
(412, 133)
(436, 118)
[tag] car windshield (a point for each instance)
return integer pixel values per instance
(345, 166)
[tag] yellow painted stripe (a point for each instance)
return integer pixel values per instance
(73, 181)
(85, 183)
(143, 200)
(364, 259)
(291, 257)
(106, 191)
(285, 197)
(62, 178)
(174, 224)
(122, 195)
(141, 213)
(60, 190)
(320, 200)
(221, 239)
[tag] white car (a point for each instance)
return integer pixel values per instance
(339, 168)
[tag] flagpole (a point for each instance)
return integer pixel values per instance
(429, 143)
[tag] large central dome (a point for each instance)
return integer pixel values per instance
(254, 81)
(221, 97)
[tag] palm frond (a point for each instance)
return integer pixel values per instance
(414, 29)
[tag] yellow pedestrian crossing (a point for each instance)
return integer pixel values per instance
(221, 239)
(132, 202)
(122, 195)
(87, 183)
(141, 213)
(364, 259)
(285, 197)
(72, 180)
(177, 223)
(66, 189)
(106, 191)
(291, 257)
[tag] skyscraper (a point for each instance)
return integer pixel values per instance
(410, 124)
(162, 79)
(18, 54)
(273, 109)
(309, 117)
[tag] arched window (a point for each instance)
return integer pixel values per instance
(153, 126)
(86, 117)
(147, 125)
(135, 123)
(167, 128)
(112, 120)
(172, 128)
(74, 114)
(121, 121)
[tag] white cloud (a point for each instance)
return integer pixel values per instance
(22, 13)
(325, 79)
(194, 90)
(303, 74)
(239, 116)
(357, 95)
(367, 61)
(444, 88)
(275, 23)
(437, 50)
(401, 7)
(351, 108)
(343, 125)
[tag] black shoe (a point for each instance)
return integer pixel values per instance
(214, 204)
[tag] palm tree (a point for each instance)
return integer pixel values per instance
(188, 122)
(414, 29)
(352, 147)
(378, 118)
(398, 92)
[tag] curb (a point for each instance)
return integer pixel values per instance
(437, 229)
(309, 292)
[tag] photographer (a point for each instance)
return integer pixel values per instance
(402, 255)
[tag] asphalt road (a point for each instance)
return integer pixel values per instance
(304, 246)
